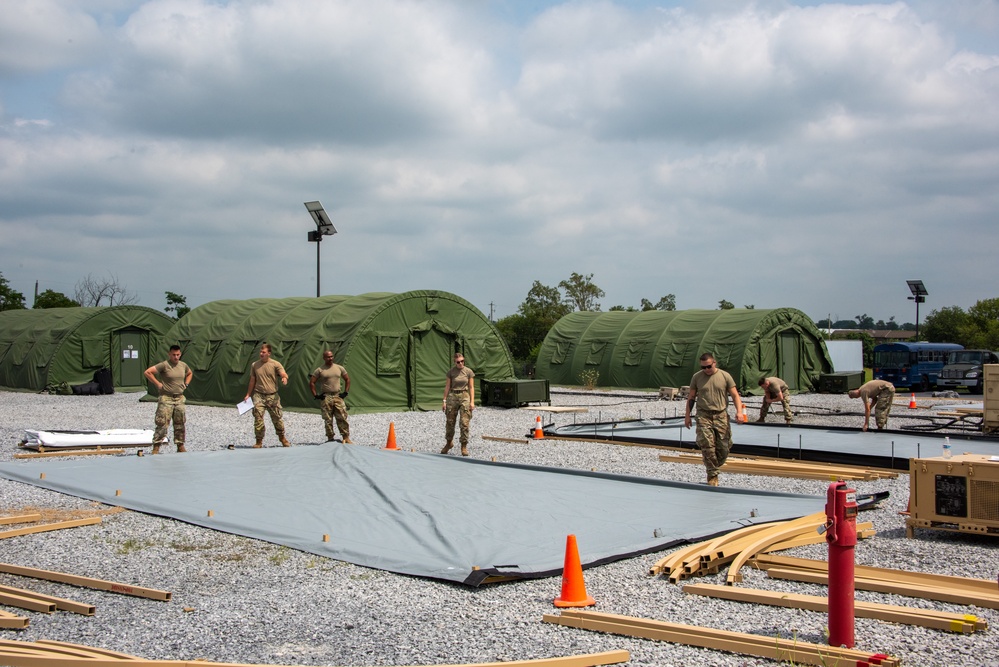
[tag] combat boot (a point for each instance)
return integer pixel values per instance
(258, 444)
(464, 450)
(181, 448)
(156, 448)
(447, 447)
(713, 481)
(284, 441)
(348, 441)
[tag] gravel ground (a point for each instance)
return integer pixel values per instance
(241, 600)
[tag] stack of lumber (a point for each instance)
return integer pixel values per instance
(738, 546)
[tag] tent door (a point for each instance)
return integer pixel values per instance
(788, 359)
(130, 355)
(431, 354)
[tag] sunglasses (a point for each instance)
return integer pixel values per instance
(706, 367)
(459, 361)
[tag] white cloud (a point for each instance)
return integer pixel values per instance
(832, 145)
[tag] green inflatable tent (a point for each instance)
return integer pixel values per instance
(661, 348)
(48, 346)
(395, 347)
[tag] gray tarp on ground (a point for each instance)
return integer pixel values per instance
(414, 513)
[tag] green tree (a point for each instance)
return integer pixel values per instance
(667, 302)
(864, 321)
(945, 325)
(627, 309)
(10, 299)
(176, 304)
(526, 330)
(984, 316)
(725, 305)
(52, 299)
(581, 292)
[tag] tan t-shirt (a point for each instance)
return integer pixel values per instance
(460, 377)
(776, 387)
(172, 377)
(712, 390)
(268, 376)
(870, 390)
(328, 379)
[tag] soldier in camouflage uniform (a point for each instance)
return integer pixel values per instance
(264, 376)
(333, 407)
(881, 394)
(459, 399)
(775, 389)
(171, 378)
(710, 388)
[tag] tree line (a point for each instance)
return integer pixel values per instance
(90, 291)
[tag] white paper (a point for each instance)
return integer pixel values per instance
(245, 406)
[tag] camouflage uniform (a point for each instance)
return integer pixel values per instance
(714, 437)
(171, 404)
(334, 408)
(272, 404)
(775, 388)
(714, 433)
(458, 403)
(882, 394)
(171, 407)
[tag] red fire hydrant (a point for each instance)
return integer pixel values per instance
(841, 534)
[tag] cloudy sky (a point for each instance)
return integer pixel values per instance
(777, 153)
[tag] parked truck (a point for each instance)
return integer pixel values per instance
(964, 369)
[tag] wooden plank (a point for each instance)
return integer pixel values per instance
(790, 529)
(893, 613)
(23, 518)
(59, 525)
(86, 582)
(893, 587)
(38, 655)
(62, 604)
(9, 621)
(774, 648)
(22, 602)
(79, 452)
(984, 586)
(498, 439)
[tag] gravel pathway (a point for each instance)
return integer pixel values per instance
(241, 600)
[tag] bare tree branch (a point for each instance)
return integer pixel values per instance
(98, 291)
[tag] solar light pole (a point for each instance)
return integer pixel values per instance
(324, 227)
(919, 294)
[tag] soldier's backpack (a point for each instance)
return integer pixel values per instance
(87, 389)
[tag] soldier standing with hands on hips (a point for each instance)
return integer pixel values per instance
(334, 409)
(171, 378)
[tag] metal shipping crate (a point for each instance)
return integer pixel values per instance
(990, 398)
(840, 383)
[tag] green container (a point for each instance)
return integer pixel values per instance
(514, 393)
(840, 383)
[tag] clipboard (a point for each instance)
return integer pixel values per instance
(245, 406)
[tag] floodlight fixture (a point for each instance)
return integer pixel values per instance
(919, 295)
(324, 227)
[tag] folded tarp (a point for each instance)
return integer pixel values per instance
(75, 439)
(450, 518)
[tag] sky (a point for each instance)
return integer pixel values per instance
(776, 154)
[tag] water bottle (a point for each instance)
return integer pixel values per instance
(946, 448)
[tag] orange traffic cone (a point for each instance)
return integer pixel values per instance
(538, 433)
(912, 402)
(390, 443)
(573, 587)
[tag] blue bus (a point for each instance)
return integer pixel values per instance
(913, 365)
